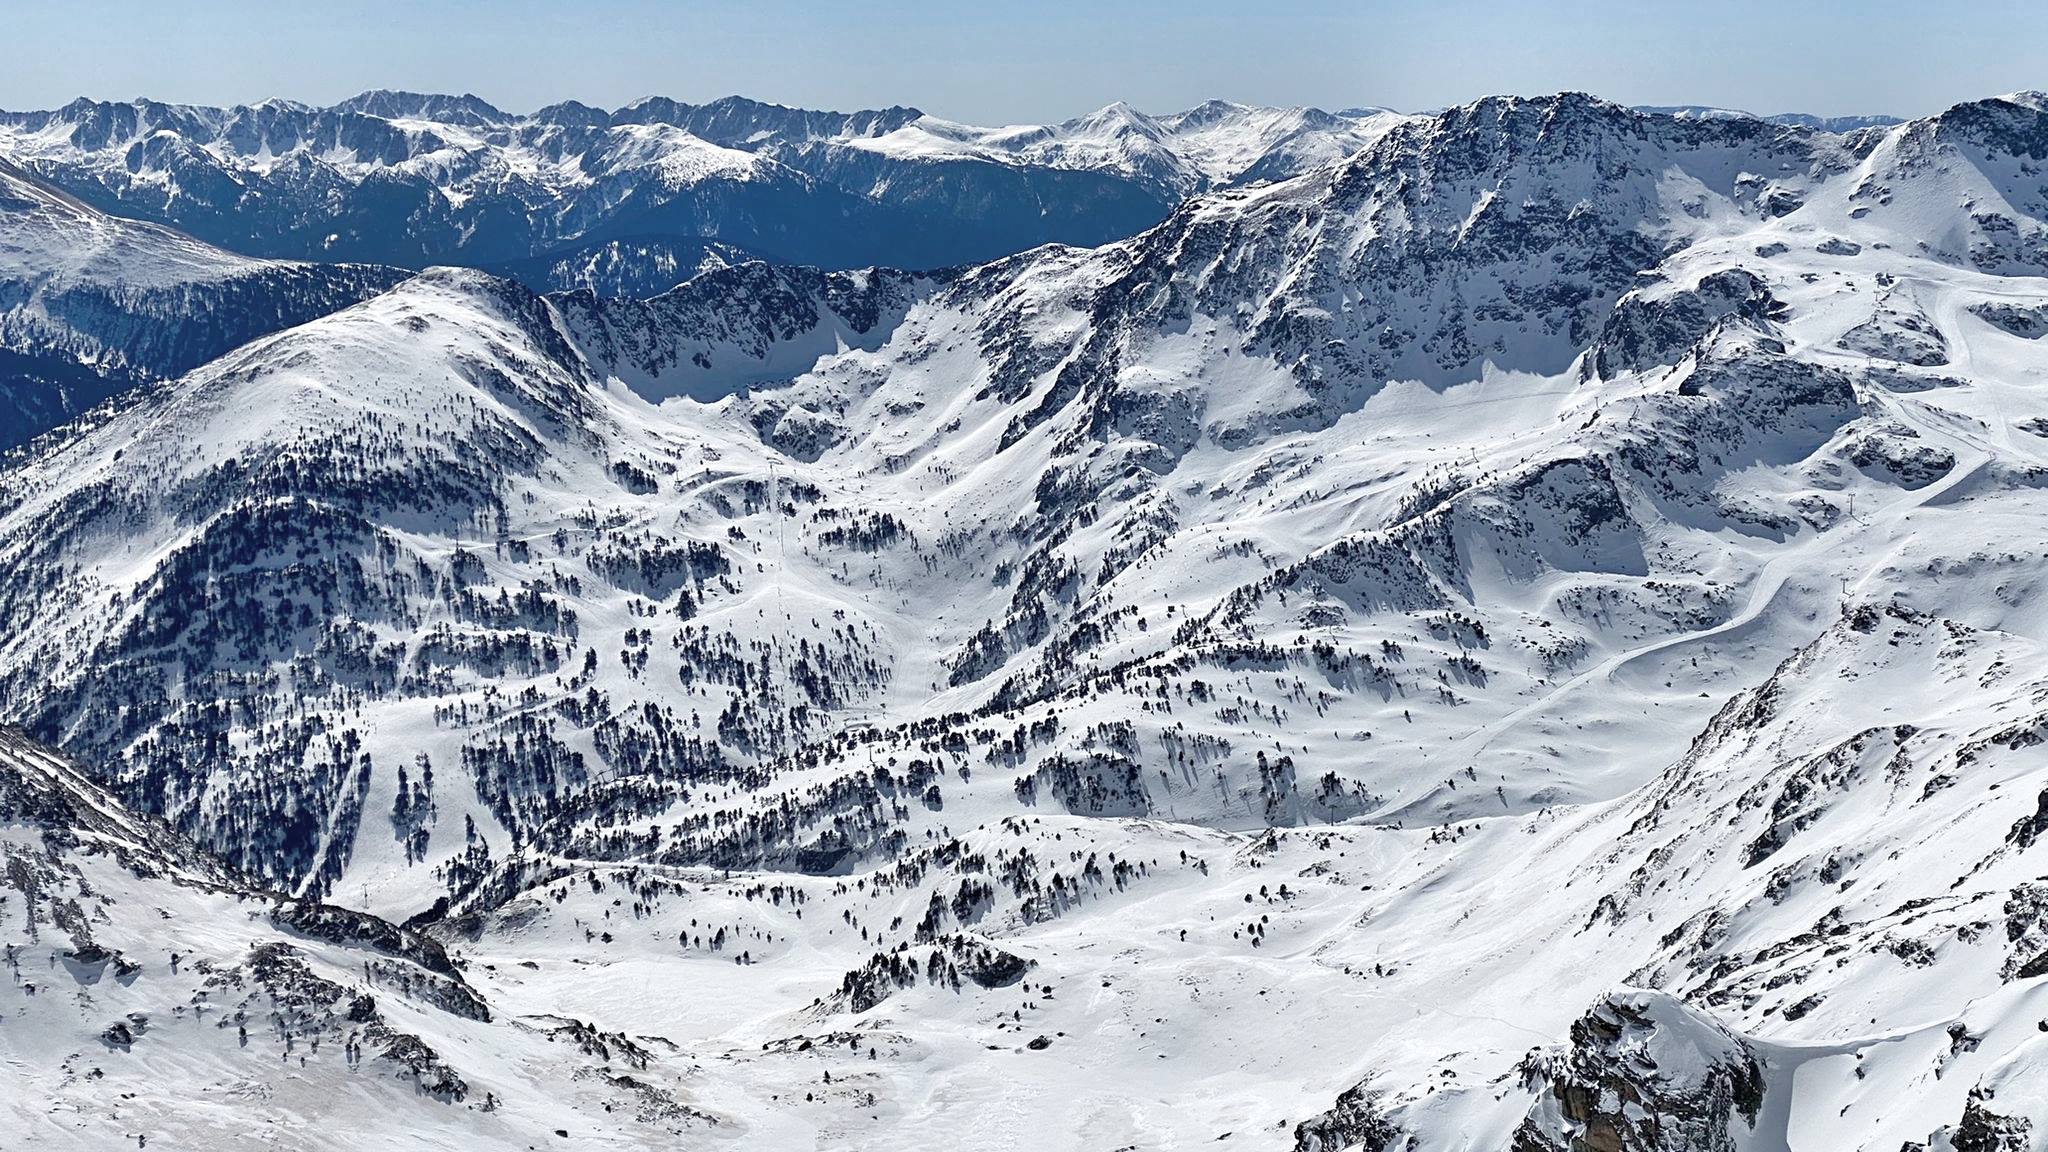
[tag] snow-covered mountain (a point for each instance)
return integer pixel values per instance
(91, 304)
(1526, 635)
(1215, 145)
(409, 179)
(1836, 124)
(642, 267)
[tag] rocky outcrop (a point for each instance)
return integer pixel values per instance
(1983, 1130)
(1643, 1073)
(1355, 1121)
(1655, 326)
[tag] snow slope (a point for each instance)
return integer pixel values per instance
(1526, 636)
(91, 304)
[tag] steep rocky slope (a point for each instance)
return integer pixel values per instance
(157, 997)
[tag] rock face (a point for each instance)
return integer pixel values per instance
(1983, 1130)
(71, 858)
(1643, 1073)
(1354, 1121)
(2029, 322)
(1656, 326)
(47, 792)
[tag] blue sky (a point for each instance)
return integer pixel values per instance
(1019, 61)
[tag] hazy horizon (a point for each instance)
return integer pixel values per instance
(1055, 61)
(769, 99)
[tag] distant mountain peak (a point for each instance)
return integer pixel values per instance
(410, 178)
(466, 110)
(1832, 124)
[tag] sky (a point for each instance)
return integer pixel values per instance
(1033, 60)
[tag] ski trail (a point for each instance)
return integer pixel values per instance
(1763, 593)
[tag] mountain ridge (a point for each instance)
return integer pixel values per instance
(92, 304)
(1524, 635)
(490, 188)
